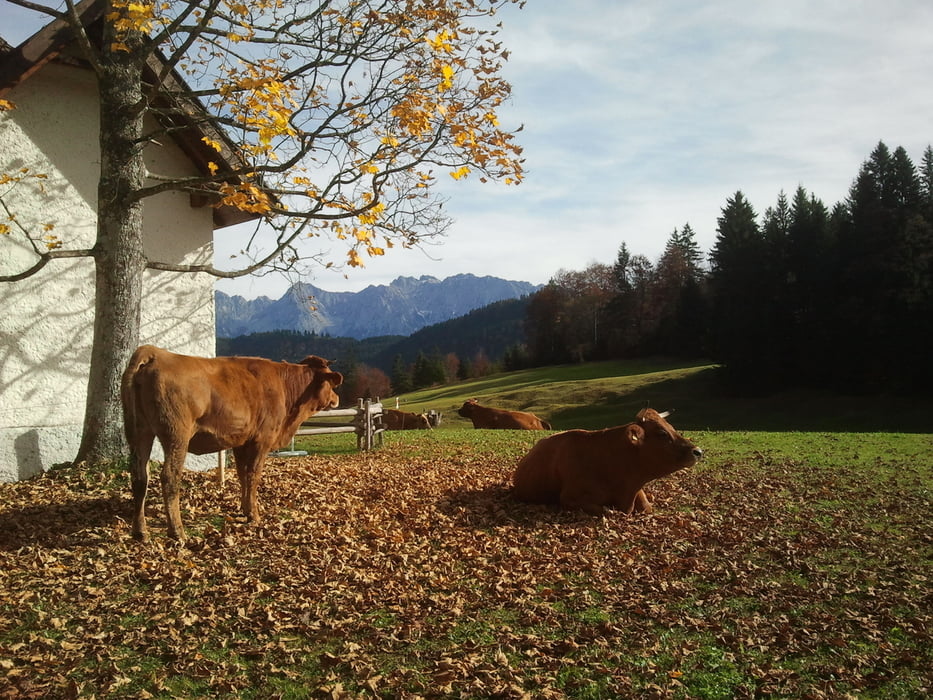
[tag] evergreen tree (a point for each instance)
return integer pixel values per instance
(620, 311)
(677, 295)
(631, 316)
(926, 184)
(401, 377)
(428, 371)
(516, 358)
(465, 370)
(875, 271)
(808, 292)
(545, 327)
(740, 300)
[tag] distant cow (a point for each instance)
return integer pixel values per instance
(485, 417)
(403, 420)
(592, 469)
(201, 405)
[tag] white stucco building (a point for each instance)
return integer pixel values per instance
(46, 320)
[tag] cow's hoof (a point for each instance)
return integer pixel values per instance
(141, 536)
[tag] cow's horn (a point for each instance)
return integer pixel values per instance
(665, 414)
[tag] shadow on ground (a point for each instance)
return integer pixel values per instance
(698, 404)
(57, 524)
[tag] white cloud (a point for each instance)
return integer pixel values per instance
(640, 117)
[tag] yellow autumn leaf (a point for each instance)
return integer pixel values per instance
(6, 106)
(460, 173)
(447, 77)
(212, 143)
(354, 258)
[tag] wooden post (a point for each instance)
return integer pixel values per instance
(221, 466)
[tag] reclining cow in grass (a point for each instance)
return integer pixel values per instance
(405, 420)
(201, 405)
(499, 418)
(592, 469)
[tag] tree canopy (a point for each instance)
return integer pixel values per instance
(328, 119)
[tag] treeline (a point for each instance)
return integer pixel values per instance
(803, 296)
(467, 347)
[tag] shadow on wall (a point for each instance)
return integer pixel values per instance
(28, 459)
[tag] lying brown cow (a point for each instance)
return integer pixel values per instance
(201, 405)
(592, 469)
(403, 420)
(484, 417)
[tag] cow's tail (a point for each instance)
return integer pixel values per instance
(140, 358)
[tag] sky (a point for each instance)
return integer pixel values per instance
(639, 117)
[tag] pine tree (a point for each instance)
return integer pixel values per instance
(926, 184)
(740, 300)
(881, 248)
(401, 377)
(808, 292)
(677, 294)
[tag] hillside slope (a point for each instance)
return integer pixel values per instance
(602, 394)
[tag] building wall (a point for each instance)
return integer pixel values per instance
(46, 321)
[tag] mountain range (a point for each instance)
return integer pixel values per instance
(402, 307)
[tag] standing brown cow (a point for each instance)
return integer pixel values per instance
(201, 405)
(485, 417)
(592, 469)
(403, 420)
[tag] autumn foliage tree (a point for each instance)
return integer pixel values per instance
(330, 120)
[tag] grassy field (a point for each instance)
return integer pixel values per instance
(792, 562)
(601, 394)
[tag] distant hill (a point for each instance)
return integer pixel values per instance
(491, 329)
(401, 308)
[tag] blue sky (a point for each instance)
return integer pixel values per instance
(642, 116)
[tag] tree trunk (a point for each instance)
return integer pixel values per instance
(119, 257)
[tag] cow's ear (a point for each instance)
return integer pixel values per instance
(635, 434)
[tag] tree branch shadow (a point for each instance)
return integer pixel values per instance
(58, 525)
(495, 506)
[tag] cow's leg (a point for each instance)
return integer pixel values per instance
(140, 452)
(250, 461)
(642, 504)
(172, 471)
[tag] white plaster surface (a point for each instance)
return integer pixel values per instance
(46, 321)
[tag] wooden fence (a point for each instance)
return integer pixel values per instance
(366, 421)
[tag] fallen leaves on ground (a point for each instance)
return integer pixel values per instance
(391, 575)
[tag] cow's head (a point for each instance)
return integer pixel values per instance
(466, 410)
(662, 450)
(323, 387)
(315, 362)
